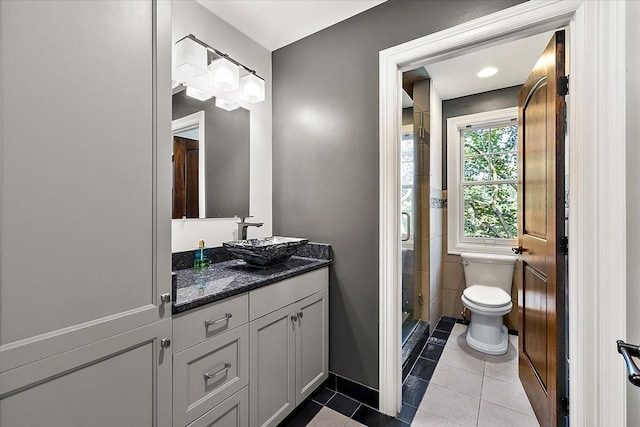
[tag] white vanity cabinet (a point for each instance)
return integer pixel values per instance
(211, 363)
(289, 345)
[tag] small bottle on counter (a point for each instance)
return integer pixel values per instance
(200, 261)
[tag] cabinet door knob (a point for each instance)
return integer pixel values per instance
(300, 316)
(294, 317)
(165, 342)
(165, 298)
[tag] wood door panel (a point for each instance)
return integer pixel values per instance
(541, 226)
(534, 322)
(535, 162)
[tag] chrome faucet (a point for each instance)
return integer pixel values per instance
(243, 225)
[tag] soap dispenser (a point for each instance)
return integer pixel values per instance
(200, 261)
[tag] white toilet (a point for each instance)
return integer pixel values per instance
(488, 296)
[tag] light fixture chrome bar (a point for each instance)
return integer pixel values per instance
(220, 54)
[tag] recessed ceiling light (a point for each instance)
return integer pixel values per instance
(487, 72)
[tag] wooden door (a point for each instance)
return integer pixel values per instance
(186, 196)
(272, 367)
(312, 346)
(541, 228)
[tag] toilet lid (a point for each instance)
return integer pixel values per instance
(489, 296)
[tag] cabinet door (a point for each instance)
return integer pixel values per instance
(233, 412)
(86, 173)
(272, 368)
(124, 380)
(312, 343)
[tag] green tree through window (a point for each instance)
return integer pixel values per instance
(489, 181)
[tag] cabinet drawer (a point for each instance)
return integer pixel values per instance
(190, 329)
(270, 298)
(233, 412)
(208, 373)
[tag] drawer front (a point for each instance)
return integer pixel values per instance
(233, 412)
(190, 329)
(208, 373)
(270, 298)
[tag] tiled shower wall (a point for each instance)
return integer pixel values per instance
(437, 204)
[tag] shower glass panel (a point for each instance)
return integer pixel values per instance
(410, 315)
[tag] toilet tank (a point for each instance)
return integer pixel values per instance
(488, 270)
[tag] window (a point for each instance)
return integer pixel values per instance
(483, 182)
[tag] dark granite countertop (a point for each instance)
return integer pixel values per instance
(227, 278)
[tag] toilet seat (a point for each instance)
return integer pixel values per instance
(487, 296)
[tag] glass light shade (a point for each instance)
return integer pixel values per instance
(252, 88)
(191, 58)
(224, 74)
(198, 94)
(226, 105)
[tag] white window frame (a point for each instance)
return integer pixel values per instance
(456, 242)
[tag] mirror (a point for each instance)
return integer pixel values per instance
(210, 159)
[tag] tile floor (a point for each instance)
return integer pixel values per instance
(463, 388)
(469, 388)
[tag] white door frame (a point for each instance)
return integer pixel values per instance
(597, 243)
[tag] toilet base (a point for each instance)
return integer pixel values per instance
(487, 334)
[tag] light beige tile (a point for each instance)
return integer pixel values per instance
(506, 394)
(426, 419)
(458, 336)
(328, 418)
(435, 310)
(435, 279)
(461, 356)
(450, 405)
(492, 415)
(457, 379)
(505, 371)
(354, 423)
(453, 276)
(451, 303)
(511, 356)
(435, 225)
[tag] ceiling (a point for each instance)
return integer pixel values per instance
(275, 24)
(456, 77)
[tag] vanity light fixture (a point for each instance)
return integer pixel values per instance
(191, 57)
(252, 88)
(198, 94)
(226, 105)
(487, 72)
(225, 72)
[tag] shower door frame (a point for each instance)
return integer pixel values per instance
(597, 231)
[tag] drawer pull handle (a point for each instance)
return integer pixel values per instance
(225, 318)
(208, 376)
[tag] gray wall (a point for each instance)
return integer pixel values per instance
(226, 155)
(325, 156)
(471, 104)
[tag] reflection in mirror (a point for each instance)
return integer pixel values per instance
(210, 159)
